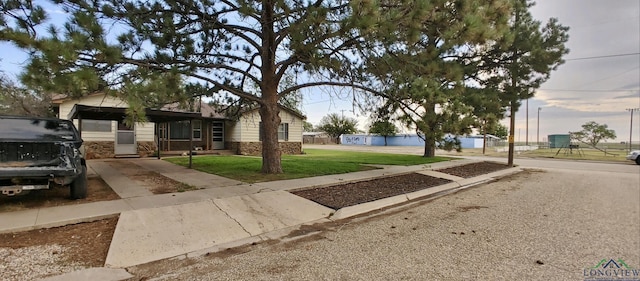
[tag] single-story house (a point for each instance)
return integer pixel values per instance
(100, 119)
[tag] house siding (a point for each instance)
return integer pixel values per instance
(244, 136)
(247, 129)
(144, 131)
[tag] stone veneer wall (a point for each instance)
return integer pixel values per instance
(146, 148)
(255, 148)
(105, 149)
(98, 149)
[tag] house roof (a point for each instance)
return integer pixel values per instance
(60, 98)
(80, 111)
(206, 110)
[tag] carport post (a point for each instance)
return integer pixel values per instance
(158, 138)
(190, 142)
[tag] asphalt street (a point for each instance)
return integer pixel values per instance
(555, 223)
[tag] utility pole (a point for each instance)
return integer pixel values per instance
(631, 126)
(526, 133)
(514, 101)
(538, 134)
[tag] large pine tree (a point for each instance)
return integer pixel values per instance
(425, 77)
(518, 64)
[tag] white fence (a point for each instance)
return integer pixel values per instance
(517, 148)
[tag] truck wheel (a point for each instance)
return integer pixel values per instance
(638, 160)
(78, 187)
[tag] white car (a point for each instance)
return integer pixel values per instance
(634, 156)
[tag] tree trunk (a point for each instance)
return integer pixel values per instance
(385, 140)
(512, 130)
(429, 139)
(429, 147)
(271, 153)
(484, 138)
(269, 110)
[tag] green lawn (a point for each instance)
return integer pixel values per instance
(315, 162)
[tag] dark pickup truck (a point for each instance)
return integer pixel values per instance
(41, 153)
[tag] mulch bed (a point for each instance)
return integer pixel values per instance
(474, 169)
(344, 195)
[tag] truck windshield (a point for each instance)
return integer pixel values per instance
(36, 129)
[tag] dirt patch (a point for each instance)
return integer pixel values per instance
(66, 249)
(344, 195)
(474, 169)
(97, 190)
(154, 182)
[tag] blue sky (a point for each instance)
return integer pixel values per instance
(581, 90)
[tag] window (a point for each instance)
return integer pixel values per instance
(283, 132)
(89, 125)
(197, 129)
(179, 130)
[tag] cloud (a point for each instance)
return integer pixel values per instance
(631, 96)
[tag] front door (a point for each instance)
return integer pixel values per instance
(218, 134)
(125, 140)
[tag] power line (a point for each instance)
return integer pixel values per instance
(606, 56)
(595, 91)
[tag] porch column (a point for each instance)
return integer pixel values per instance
(157, 125)
(191, 142)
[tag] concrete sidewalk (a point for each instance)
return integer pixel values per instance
(223, 213)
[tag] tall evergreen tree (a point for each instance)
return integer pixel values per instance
(519, 63)
(425, 76)
(223, 45)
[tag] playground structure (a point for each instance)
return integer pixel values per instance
(574, 144)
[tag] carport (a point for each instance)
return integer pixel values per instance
(156, 116)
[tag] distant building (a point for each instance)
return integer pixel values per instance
(413, 140)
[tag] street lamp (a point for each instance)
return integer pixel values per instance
(538, 134)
